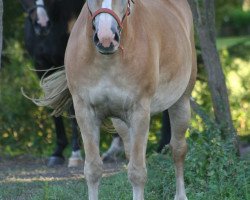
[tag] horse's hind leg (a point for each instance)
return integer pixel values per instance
(165, 131)
(90, 129)
(75, 159)
(61, 142)
(123, 131)
(179, 117)
(115, 148)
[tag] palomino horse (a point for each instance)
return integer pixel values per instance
(129, 60)
(47, 30)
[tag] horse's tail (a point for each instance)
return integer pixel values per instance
(56, 93)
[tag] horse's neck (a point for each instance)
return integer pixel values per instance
(130, 23)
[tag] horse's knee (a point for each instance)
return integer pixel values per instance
(93, 170)
(137, 175)
(179, 149)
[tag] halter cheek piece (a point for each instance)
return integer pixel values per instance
(111, 12)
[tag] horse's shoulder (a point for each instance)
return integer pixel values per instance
(181, 10)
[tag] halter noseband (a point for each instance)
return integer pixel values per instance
(111, 12)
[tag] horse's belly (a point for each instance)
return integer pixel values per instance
(169, 92)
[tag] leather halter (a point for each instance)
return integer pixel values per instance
(112, 13)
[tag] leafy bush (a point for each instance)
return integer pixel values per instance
(212, 170)
(24, 127)
(236, 23)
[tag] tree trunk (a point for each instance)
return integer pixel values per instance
(204, 19)
(1, 30)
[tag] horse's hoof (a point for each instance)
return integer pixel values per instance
(55, 160)
(183, 197)
(74, 162)
(76, 159)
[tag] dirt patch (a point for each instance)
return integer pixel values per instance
(27, 169)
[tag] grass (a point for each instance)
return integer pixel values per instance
(212, 172)
(227, 42)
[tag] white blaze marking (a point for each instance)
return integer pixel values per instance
(107, 4)
(104, 21)
(41, 14)
(105, 18)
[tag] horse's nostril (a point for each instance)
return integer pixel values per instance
(49, 24)
(117, 37)
(93, 26)
(96, 39)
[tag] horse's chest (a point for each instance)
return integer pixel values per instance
(108, 97)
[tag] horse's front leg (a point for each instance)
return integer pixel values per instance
(90, 130)
(139, 127)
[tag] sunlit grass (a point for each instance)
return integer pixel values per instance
(227, 42)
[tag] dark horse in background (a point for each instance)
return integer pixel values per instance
(47, 29)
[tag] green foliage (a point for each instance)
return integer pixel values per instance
(236, 64)
(212, 172)
(235, 59)
(24, 127)
(237, 22)
(223, 9)
(239, 18)
(213, 164)
(13, 20)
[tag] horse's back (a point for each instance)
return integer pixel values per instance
(173, 12)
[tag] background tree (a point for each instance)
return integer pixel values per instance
(1, 28)
(204, 18)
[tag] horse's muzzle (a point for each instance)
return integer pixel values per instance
(42, 30)
(107, 41)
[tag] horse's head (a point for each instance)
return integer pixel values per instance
(36, 10)
(107, 19)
